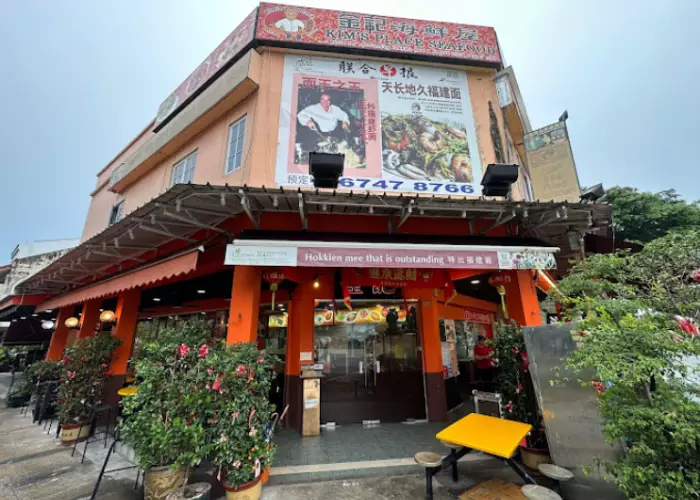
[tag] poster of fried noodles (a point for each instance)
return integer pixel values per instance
(401, 127)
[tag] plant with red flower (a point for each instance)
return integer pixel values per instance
(598, 386)
(183, 350)
(687, 325)
(508, 407)
(217, 383)
(695, 275)
(70, 375)
(203, 351)
(241, 370)
(64, 360)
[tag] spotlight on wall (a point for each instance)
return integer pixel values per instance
(47, 325)
(475, 282)
(593, 193)
(201, 292)
(326, 169)
(72, 322)
(316, 283)
(108, 316)
(498, 179)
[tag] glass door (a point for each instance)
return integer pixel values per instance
(372, 371)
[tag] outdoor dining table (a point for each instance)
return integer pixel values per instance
(490, 435)
(129, 390)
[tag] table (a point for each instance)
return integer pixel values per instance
(475, 432)
(129, 390)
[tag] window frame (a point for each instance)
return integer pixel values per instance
(118, 209)
(183, 163)
(240, 140)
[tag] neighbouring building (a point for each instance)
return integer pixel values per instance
(19, 321)
(382, 285)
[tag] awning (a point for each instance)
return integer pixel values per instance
(173, 266)
(387, 255)
(193, 213)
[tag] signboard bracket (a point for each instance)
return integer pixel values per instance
(500, 221)
(406, 212)
(247, 205)
(302, 212)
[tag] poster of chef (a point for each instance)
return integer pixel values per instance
(401, 127)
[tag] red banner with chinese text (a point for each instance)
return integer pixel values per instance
(372, 32)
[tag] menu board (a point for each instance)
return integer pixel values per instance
(364, 316)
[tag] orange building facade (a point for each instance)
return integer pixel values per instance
(381, 286)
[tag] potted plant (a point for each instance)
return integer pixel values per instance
(516, 388)
(164, 421)
(41, 371)
(84, 371)
(237, 380)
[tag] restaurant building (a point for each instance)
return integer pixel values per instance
(383, 284)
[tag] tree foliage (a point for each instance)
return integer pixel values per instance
(643, 217)
(638, 334)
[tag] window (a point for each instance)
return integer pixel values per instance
(116, 213)
(236, 132)
(183, 171)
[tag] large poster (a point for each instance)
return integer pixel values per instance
(552, 170)
(303, 25)
(401, 127)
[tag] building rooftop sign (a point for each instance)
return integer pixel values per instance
(332, 28)
(337, 31)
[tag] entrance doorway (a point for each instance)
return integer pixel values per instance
(372, 367)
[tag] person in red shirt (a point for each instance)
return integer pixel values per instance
(483, 354)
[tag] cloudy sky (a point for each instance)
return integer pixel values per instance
(81, 78)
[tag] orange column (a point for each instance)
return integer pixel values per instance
(521, 299)
(60, 334)
(300, 339)
(432, 352)
(245, 305)
(89, 318)
(127, 314)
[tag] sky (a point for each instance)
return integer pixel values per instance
(81, 78)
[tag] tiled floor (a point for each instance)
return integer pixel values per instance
(355, 443)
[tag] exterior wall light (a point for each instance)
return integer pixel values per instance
(326, 169)
(498, 179)
(72, 322)
(47, 325)
(108, 316)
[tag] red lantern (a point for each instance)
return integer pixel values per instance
(274, 278)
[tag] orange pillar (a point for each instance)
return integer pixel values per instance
(245, 305)
(521, 299)
(432, 354)
(89, 318)
(300, 339)
(127, 314)
(60, 334)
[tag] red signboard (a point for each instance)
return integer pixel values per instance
(396, 277)
(498, 279)
(227, 50)
(286, 23)
(475, 316)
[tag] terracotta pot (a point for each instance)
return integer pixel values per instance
(196, 491)
(247, 491)
(532, 457)
(70, 433)
(162, 481)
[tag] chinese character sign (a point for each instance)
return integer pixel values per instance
(401, 127)
(231, 47)
(378, 33)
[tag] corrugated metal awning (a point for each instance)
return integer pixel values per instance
(187, 209)
(174, 266)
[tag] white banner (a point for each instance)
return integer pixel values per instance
(401, 127)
